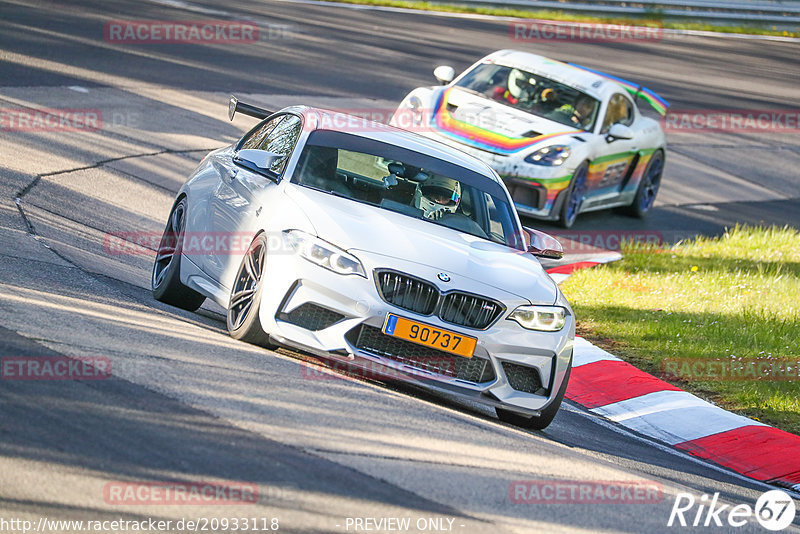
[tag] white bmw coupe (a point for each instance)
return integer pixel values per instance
(377, 247)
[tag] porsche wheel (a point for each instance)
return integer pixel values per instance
(244, 321)
(574, 196)
(648, 187)
(548, 414)
(166, 280)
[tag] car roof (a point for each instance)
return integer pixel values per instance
(590, 83)
(325, 119)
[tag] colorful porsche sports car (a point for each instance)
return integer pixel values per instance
(564, 138)
(375, 247)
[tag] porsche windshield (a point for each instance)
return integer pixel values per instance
(407, 182)
(533, 93)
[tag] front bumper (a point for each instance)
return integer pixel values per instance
(340, 306)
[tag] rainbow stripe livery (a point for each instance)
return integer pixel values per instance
(480, 137)
(652, 98)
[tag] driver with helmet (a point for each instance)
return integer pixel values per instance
(437, 196)
(518, 88)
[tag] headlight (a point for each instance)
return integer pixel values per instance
(551, 156)
(546, 318)
(323, 253)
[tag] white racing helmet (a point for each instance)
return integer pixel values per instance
(516, 80)
(437, 194)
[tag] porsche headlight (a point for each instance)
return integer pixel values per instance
(544, 318)
(551, 156)
(324, 254)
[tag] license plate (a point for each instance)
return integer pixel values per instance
(430, 336)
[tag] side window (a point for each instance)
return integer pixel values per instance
(619, 110)
(256, 137)
(278, 135)
(499, 222)
(281, 140)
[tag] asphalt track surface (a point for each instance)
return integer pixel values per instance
(186, 402)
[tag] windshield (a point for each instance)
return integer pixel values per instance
(407, 182)
(533, 94)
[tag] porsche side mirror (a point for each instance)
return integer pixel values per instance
(444, 73)
(543, 245)
(260, 161)
(619, 131)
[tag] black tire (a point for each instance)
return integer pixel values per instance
(648, 187)
(166, 279)
(573, 198)
(243, 319)
(548, 414)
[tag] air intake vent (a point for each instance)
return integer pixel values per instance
(469, 310)
(407, 292)
(524, 378)
(311, 317)
(373, 340)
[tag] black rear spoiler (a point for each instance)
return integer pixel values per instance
(234, 105)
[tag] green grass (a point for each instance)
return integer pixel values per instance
(711, 299)
(653, 19)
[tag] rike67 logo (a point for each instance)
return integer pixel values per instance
(774, 510)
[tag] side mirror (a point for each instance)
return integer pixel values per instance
(619, 131)
(543, 245)
(444, 73)
(259, 161)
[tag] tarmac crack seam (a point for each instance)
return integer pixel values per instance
(20, 195)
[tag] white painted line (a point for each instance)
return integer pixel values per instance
(585, 353)
(678, 424)
(649, 404)
(615, 427)
(559, 277)
(78, 88)
(613, 256)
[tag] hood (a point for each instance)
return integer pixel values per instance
(360, 227)
(482, 123)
